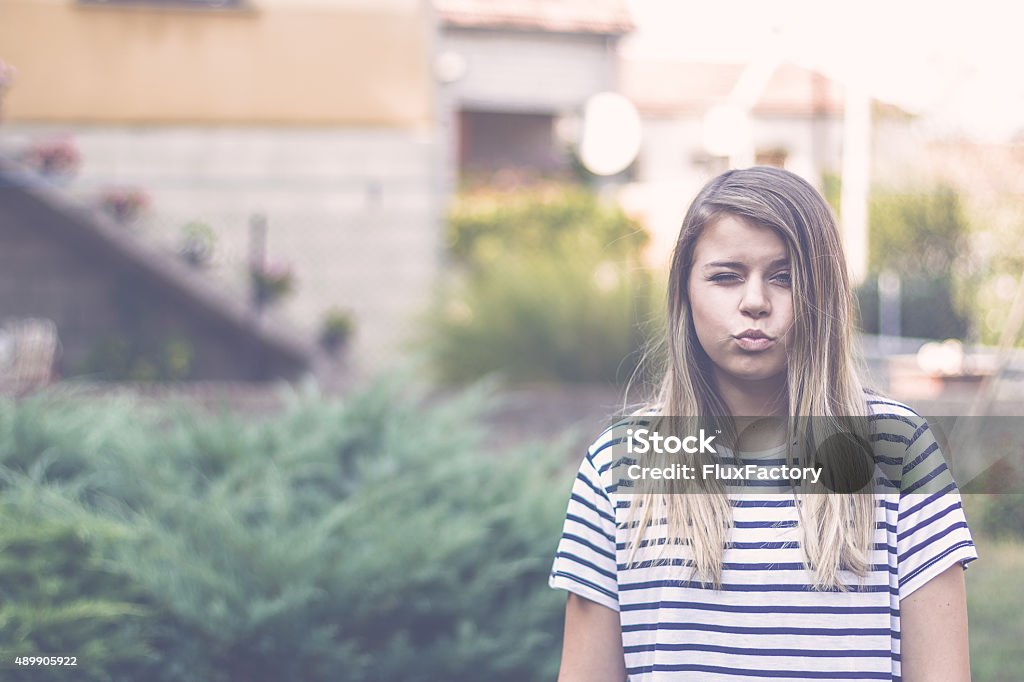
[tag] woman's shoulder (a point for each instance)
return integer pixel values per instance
(880, 406)
(603, 452)
(898, 433)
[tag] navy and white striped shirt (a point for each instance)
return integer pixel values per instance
(766, 622)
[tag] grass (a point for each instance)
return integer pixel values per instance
(995, 606)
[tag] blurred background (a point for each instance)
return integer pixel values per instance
(307, 307)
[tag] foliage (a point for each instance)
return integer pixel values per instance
(271, 281)
(143, 344)
(922, 236)
(197, 243)
(54, 157)
(487, 225)
(927, 308)
(124, 204)
(538, 319)
(547, 284)
(57, 597)
(922, 233)
(1003, 516)
(129, 357)
(994, 609)
(831, 189)
(376, 538)
(336, 329)
(996, 265)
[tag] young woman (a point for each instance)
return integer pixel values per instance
(689, 580)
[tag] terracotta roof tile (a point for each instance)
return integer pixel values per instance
(694, 87)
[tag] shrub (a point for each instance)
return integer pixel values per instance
(927, 308)
(487, 225)
(1003, 516)
(336, 328)
(923, 237)
(57, 597)
(548, 284)
(376, 538)
(917, 232)
(138, 356)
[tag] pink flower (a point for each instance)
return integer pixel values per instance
(6, 75)
(55, 156)
(124, 203)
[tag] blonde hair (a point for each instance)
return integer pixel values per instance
(822, 380)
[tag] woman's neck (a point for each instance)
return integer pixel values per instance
(758, 409)
(762, 398)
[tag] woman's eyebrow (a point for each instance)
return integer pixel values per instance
(737, 264)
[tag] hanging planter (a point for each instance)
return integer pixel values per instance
(336, 330)
(271, 282)
(197, 244)
(55, 158)
(124, 204)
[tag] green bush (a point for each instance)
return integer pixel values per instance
(1003, 516)
(488, 225)
(922, 236)
(57, 596)
(927, 308)
(921, 232)
(546, 284)
(376, 538)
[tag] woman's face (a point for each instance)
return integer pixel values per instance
(741, 300)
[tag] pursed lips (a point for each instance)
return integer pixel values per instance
(754, 340)
(753, 334)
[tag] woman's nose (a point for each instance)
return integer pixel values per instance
(755, 300)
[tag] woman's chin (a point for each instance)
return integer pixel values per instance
(756, 372)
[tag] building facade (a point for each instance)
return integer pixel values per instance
(315, 118)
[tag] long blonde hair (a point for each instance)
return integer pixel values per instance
(822, 378)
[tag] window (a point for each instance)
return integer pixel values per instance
(491, 141)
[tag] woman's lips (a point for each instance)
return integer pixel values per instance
(750, 343)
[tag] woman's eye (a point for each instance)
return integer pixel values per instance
(783, 278)
(725, 277)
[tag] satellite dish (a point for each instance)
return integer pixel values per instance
(611, 134)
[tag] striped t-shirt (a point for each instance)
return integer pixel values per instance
(766, 622)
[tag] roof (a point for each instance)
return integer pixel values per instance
(672, 87)
(565, 16)
(196, 293)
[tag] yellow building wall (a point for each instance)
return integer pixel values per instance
(292, 63)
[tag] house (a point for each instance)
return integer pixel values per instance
(795, 121)
(513, 74)
(114, 306)
(315, 116)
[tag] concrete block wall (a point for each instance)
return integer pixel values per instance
(356, 212)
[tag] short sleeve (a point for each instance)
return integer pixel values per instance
(932, 531)
(585, 560)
